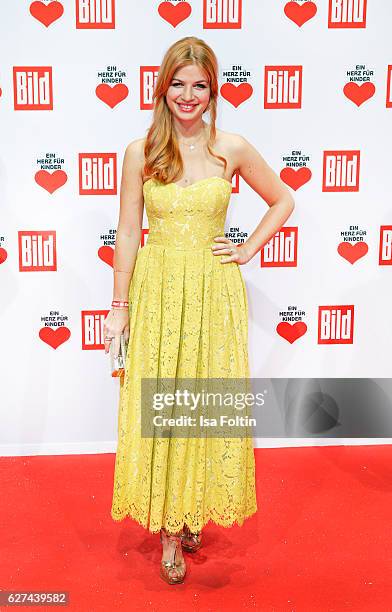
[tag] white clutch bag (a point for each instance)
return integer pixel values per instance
(117, 364)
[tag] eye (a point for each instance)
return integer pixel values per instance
(198, 85)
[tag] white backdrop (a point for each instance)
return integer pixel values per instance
(57, 393)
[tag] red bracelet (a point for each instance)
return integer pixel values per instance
(120, 304)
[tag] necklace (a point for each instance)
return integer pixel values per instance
(192, 145)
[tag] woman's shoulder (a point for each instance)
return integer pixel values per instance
(230, 144)
(134, 153)
(136, 146)
(231, 140)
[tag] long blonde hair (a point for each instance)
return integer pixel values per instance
(162, 155)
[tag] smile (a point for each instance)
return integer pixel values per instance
(187, 107)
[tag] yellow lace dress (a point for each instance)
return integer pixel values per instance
(188, 318)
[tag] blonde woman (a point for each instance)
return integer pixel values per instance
(182, 303)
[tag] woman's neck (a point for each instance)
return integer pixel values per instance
(191, 132)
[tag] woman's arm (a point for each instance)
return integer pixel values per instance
(130, 220)
(259, 175)
(127, 243)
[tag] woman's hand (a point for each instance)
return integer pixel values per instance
(237, 253)
(116, 322)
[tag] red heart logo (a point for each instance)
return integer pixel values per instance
(236, 94)
(295, 177)
(300, 13)
(51, 181)
(3, 255)
(359, 93)
(352, 251)
(106, 253)
(174, 13)
(46, 13)
(112, 95)
(291, 332)
(54, 337)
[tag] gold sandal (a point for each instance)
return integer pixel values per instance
(191, 542)
(168, 567)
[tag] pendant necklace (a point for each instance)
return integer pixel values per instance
(192, 146)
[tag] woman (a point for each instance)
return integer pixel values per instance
(187, 312)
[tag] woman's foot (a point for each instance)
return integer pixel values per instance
(173, 568)
(191, 542)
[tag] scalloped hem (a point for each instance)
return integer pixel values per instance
(239, 521)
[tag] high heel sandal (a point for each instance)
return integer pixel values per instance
(168, 567)
(191, 542)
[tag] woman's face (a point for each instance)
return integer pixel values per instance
(188, 94)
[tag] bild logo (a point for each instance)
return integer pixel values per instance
(144, 236)
(92, 329)
(148, 77)
(389, 87)
(97, 174)
(37, 250)
(281, 249)
(347, 14)
(385, 251)
(224, 14)
(336, 324)
(282, 86)
(341, 171)
(33, 89)
(95, 14)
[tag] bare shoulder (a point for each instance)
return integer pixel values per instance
(136, 148)
(132, 168)
(235, 142)
(134, 155)
(226, 139)
(254, 169)
(232, 145)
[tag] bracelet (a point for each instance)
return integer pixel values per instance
(125, 271)
(120, 304)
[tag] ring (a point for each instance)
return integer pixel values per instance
(109, 338)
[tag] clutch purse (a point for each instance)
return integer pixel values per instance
(117, 364)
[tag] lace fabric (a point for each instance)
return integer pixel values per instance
(188, 319)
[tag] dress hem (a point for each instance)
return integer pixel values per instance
(221, 523)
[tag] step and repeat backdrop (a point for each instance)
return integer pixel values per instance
(309, 85)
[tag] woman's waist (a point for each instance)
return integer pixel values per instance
(183, 242)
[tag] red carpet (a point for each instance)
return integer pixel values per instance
(321, 540)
